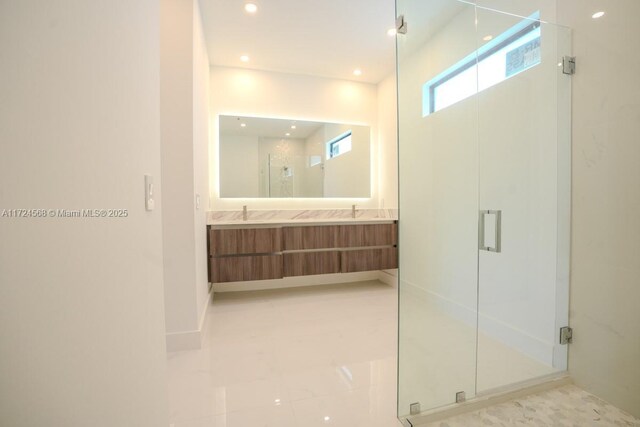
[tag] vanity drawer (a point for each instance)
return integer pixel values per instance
(368, 235)
(241, 268)
(245, 241)
(369, 259)
(312, 237)
(309, 263)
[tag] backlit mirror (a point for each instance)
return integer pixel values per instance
(275, 158)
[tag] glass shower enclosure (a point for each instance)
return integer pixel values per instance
(484, 94)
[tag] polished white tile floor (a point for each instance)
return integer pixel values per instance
(316, 356)
(326, 356)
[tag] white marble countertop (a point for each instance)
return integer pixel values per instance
(294, 216)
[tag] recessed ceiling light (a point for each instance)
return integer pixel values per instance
(250, 8)
(487, 38)
(293, 126)
(392, 32)
(327, 418)
(243, 125)
(357, 72)
(597, 15)
(244, 58)
(287, 134)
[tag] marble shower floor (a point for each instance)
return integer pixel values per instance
(567, 406)
(304, 357)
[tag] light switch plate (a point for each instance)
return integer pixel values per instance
(149, 201)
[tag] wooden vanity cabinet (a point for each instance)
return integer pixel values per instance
(243, 268)
(311, 237)
(362, 235)
(382, 239)
(237, 241)
(254, 253)
(369, 259)
(243, 254)
(310, 263)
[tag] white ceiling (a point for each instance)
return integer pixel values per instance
(328, 38)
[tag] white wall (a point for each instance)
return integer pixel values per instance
(388, 143)
(81, 324)
(200, 161)
(184, 135)
(268, 94)
(606, 200)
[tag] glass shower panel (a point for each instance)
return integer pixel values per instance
(484, 153)
(523, 200)
(438, 157)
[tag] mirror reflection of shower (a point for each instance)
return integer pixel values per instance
(281, 168)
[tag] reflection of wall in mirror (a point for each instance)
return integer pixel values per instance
(348, 175)
(239, 173)
(315, 166)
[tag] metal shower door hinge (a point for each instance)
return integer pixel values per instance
(401, 25)
(566, 335)
(569, 65)
(414, 408)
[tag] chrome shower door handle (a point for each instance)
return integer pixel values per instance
(497, 242)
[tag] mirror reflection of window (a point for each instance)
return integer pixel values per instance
(340, 145)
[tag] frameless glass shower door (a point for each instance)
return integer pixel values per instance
(524, 164)
(484, 152)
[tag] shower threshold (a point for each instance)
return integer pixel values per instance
(489, 398)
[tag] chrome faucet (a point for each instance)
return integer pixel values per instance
(353, 211)
(244, 213)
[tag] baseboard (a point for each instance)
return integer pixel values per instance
(509, 335)
(390, 277)
(190, 340)
(296, 282)
(483, 401)
(181, 341)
